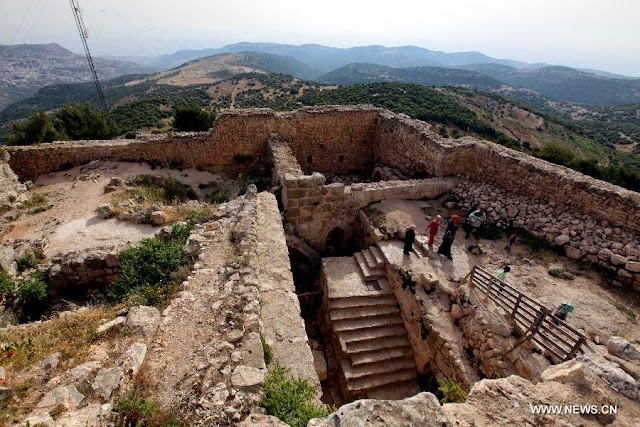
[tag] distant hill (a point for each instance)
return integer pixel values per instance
(325, 59)
(565, 84)
(189, 81)
(430, 76)
(26, 68)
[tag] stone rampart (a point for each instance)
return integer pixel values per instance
(324, 139)
(342, 140)
(410, 145)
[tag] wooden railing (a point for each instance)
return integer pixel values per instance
(536, 321)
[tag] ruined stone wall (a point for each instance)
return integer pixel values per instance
(324, 139)
(314, 209)
(10, 187)
(184, 151)
(411, 146)
(436, 346)
(74, 272)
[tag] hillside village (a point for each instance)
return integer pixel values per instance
(254, 274)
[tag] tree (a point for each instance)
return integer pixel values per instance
(191, 117)
(84, 122)
(38, 129)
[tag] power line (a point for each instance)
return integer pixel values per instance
(22, 22)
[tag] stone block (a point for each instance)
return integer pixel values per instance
(632, 266)
(247, 378)
(67, 396)
(106, 381)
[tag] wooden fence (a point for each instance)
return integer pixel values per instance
(536, 321)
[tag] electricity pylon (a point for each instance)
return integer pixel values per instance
(84, 34)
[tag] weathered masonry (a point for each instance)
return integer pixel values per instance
(354, 140)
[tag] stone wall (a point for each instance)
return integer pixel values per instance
(332, 139)
(341, 140)
(314, 209)
(579, 235)
(437, 344)
(411, 146)
(10, 187)
(74, 272)
(185, 151)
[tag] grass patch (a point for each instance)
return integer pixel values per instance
(139, 411)
(266, 349)
(628, 313)
(290, 399)
(70, 335)
(452, 391)
(35, 201)
(561, 274)
(147, 268)
(40, 209)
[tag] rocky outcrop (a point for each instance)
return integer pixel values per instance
(11, 189)
(420, 410)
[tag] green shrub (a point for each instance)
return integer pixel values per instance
(290, 399)
(191, 117)
(136, 408)
(146, 269)
(32, 295)
(452, 391)
(7, 285)
(84, 122)
(27, 261)
(561, 274)
(38, 129)
(266, 349)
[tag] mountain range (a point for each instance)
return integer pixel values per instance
(325, 58)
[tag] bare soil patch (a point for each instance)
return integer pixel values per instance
(69, 223)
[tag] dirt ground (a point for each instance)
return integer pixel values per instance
(71, 223)
(599, 305)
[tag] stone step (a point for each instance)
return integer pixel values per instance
(352, 324)
(355, 347)
(357, 312)
(375, 299)
(380, 354)
(395, 391)
(371, 382)
(378, 255)
(371, 369)
(372, 333)
(370, 259)
(368, 273)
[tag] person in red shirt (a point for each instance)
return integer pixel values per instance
(433, 228)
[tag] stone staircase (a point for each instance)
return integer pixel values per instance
(376, 357)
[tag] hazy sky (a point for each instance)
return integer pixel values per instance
(586, 33)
